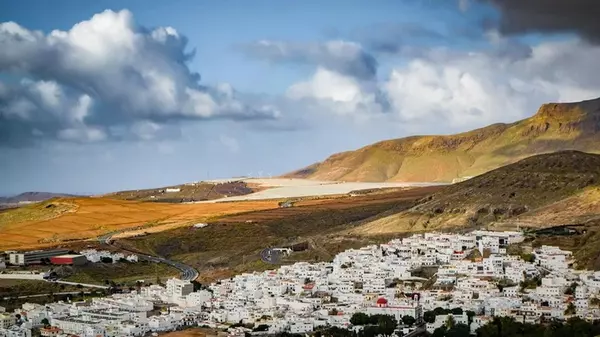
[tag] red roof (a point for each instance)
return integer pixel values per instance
(382, 300)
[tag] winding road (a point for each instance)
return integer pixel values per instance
(188, 273)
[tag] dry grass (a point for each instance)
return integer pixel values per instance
(36, 226)
(232, 244)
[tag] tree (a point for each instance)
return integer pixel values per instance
(197, 285)
(359, 318)
(439, 332)
(408, 320)
(45, 322)
(440, 311)
(429, 316)
(470, 315)
(262, 327)
(450, 322)
(571, 289)
(570, 309)
(457, 311)
(370, 331)
(459, 330)
(387, 324)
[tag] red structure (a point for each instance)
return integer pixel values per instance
(382, 302)
(75, 260)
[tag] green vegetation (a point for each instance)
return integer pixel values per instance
(508, 327)
(121, 273)
(377, 324)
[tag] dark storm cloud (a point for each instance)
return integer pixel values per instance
(550, 16)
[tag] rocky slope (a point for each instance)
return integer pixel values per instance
(555, 127)
(540, 191)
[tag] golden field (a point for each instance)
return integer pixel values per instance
(69, 219)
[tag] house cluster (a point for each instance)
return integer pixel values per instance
(96, 256)
(470, 271)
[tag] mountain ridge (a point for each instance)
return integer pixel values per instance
(33, 197)
(443, 158)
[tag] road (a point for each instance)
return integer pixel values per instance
(48, 294)
(188, 273)
(270, 256)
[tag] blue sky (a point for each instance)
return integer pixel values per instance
(111, 101)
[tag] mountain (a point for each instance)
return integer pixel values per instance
(561, 188)
(32, 197)
(555, 127)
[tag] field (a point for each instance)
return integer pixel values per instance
(59, 221)
(231, 244)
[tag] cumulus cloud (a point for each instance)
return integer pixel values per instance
(344, 57)
(550, 16)
(104, 74)
(469, 89)
(344, 95)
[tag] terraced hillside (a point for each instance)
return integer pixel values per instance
(540, 191)
(555, 127)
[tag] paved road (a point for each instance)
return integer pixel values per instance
(270, 256)
(187, 273)
(48, 294)
(86, 285)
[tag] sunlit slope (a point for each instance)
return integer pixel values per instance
(61, 220)
(555, 127)
(540, 191)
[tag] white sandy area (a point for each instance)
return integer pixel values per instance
(294, 188)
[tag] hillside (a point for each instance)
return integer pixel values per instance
(32, 197)
(555, 127)
(61, 220)
(540, 191)
(199, 191)
(232, 244)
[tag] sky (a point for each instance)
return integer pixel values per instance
(113, 95)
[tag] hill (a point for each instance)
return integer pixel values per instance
(32, 197)
(198, 191)
(540, 191)
(61, 220)
(555, 127)
(232, 244)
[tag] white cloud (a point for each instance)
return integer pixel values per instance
(462, 90)
(103, 72)
(341, 94)
(472, 89)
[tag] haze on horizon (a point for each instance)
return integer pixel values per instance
(113, 95)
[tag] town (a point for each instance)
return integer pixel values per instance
(421, 281)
